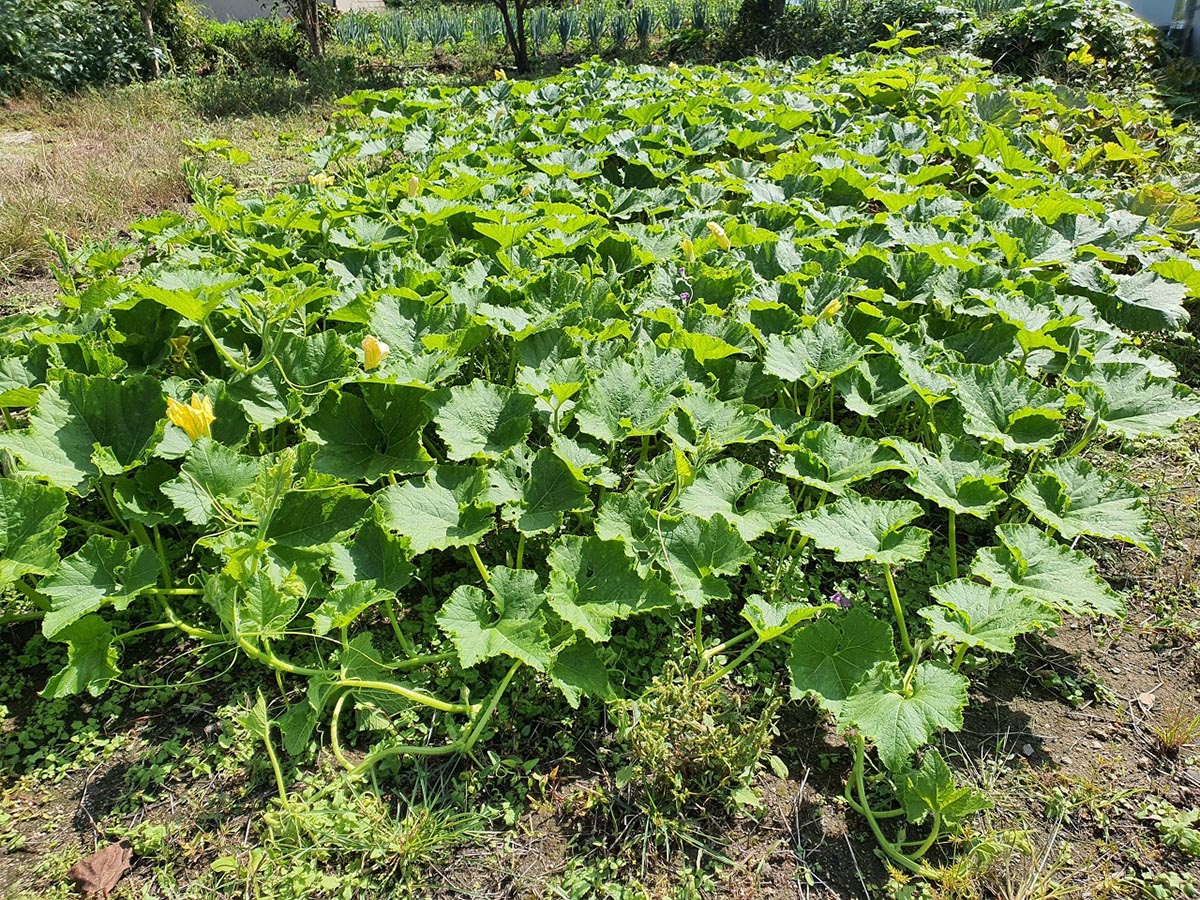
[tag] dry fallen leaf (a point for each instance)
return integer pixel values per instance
(1146, 701)
(99, 873)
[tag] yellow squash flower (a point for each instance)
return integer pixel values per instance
(195, 419)
(320, 180)
(375, 351)
(498, 75)
(832, 308)
(689, 250)
(719, 233)
(414, 186)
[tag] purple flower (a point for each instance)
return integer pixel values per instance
(839, 600)
(682, 271)
(684, 295)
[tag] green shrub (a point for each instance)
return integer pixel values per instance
(691, 745)
(257, 45)
(820, 27)
(1050, 37)
(63, 45)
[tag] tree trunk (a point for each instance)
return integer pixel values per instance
(515, 37)
(308, 15)
(147, 11)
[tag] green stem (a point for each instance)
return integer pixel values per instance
(373, 759)
(14, 618)
(334, 744)
(162, 559)
(479, 564)
(934, 832)
(732, 642)
(726, 669)
(175, 592)
(854, 804)
(952, 536)
(9, 424)
(406, 693)
(187, 629)
(275, 767)
(520, 550)
(898, 610)
(94, 526)
(891, 850)
(959, 655)
(486, 713)
(161, 626)
(390, 606)
(811, 404)
(699, 636)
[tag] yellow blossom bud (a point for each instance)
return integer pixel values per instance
(832, 308)
(719, 233)
(689, 250)
(498, 75)
(195, 419)
(179, 347)
(375, 351)
(414, 186)
(320, 180)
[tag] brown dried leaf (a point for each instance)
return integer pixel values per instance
(100, 872)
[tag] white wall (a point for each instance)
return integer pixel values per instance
(225, 10)
(1156, 12)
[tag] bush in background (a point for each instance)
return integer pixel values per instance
(255, 46)
(820, 27)
(63, 45)
(1094, 40)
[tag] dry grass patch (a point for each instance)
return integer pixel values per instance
(86, 166)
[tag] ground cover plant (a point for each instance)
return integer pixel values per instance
(520, 368)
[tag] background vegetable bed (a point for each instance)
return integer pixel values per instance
(657, 342)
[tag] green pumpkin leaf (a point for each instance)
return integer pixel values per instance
(448, 508)
(1003, 406)
(264, 605)
(593, 584)
(738, 492)
(829, 460)
(481, 420)
(374, 555)
(213, 477)
(578, 671)
(930, 789)
(873, 386)
(813, 356)
(831, 656)
(696, 551)
(507, 620)
(104, 570)
(1131, 403)
(344, 605)
(622, 403)
(551, 490)
(364, 439)
(985, 616)
(1033, 562)
(960, 478)
(1074, 499)
(31, 529)
(91, 659)
(84, 426)
(770, 619)
(899, 719)
(859, 529)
